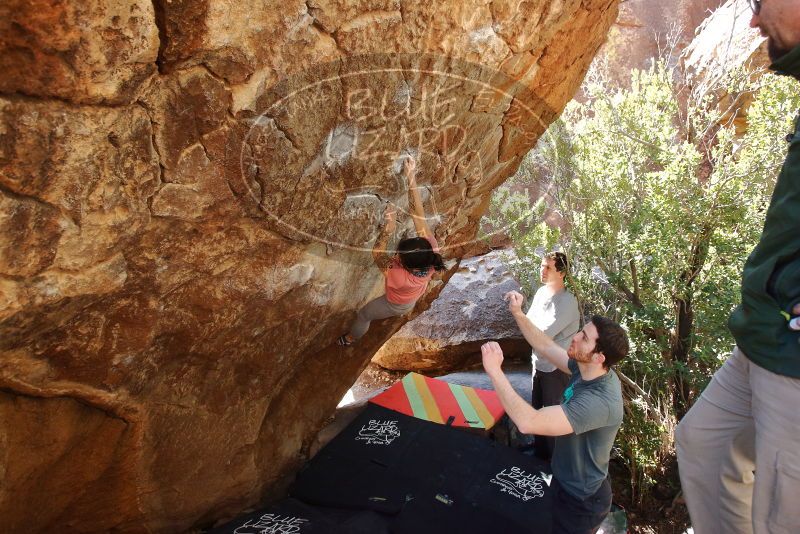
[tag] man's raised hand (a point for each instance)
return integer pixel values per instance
(492, 356)
(515, 300)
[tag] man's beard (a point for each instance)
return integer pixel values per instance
(577, 356)
(775, 52)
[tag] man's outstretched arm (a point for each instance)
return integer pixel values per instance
(540, 342)
(549, 421)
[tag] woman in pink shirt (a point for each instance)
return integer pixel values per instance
(407, 273)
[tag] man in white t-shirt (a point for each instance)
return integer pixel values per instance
(555, 312)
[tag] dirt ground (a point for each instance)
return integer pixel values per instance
(664, 512)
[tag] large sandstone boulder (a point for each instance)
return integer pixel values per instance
(724, 41)
(90, 52)
(645, 29)
(469, 311)
(188, 194)
(726, 48)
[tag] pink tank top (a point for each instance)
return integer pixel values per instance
(403, 287)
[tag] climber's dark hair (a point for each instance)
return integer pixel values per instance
(416, 253)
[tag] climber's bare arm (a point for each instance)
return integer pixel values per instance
(379, 251)
(415, 200)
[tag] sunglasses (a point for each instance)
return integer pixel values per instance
(755, 6)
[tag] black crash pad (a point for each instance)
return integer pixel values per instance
(428, 476)
(294, 517)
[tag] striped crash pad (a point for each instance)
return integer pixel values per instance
(436, 400)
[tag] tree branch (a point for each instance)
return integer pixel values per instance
(635, 279)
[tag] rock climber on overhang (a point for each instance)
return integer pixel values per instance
(406, 273)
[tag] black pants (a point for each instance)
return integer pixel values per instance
(547, 391)
(575, 516)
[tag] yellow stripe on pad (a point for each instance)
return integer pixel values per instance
(425, 395)
(480, 408)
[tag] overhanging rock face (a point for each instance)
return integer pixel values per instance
(188, 194)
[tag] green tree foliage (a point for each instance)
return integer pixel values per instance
(659, 200)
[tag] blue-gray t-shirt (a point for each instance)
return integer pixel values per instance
(594, 409)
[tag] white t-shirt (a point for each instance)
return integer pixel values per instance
(558, 317)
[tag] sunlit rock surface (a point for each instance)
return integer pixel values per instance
(645, 30)
(726, 48)
(188, 194)
(725, 41)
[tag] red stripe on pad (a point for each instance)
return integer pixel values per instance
(448, 405)
(492, 402)
(394, 398)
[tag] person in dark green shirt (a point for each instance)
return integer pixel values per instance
(586, 421)
(739, 445)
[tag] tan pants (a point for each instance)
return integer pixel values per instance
(378, 308)
(739, 452)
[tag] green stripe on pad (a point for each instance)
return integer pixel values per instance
(467, 409)
(414, 398)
